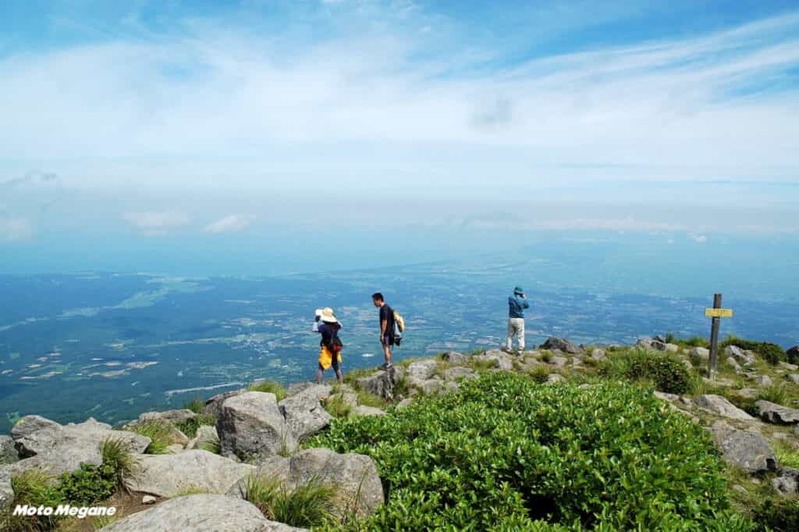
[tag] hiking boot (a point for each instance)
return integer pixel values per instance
(506, 350)
(386, 366)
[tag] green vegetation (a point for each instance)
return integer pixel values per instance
(190, 426)
(774, 393)
(212, 446)
(539, 374)
(305, 506)
(269, 387)
(771, 353)
(196, 405)
(778, 515)
(506, 453)
(666, 371)
(337, 406)
(87, 486)
(159, 431)
(693, 341)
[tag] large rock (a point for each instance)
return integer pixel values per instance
(788, 481)
(457, 373)
(421, 370)
(30, 424)
(8, 453)
(454, 358)
(774, 413)
(381, 383)
(722, 407)
(173, 416)
(651, 343)
(793, 354)
(213, 406)
(793, 377)
(700, 352)
(363, 410)
(744, 449)
(251, 425)
(205, 435)
(6, 492)
(497, 359)
(354, 476)
(304, 413)
(200, 513)
(552, 343)
(59, 449)
(744, 357)
(167, 475)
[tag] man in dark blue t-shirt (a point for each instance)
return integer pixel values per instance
(386, 328)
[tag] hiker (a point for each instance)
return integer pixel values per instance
(328, 326)
(516, 305)
(386, 328)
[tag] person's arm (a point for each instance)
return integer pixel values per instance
(525, 304)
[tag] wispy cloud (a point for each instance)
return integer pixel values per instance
(230, 224)
(15, 229)
(156, 223)
(392, 98)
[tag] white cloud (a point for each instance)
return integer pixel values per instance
(15, 229)
(230, 224)
(156, 223)
(699, 239)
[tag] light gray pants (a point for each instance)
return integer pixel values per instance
(515, 328)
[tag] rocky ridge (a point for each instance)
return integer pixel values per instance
(258, 436)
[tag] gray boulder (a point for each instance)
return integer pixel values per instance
(793, 377)
(251, 425)
(788, 481)
(671, 348)
(553, 343)
(8, 453)
(733, 363)
(205, 435)
(304, 413)
(59, 449)
(429, 386)
(173, 416)
(774, 413)
(457, 373)
(554, 378)
(381, 383)
(213, 406)
(200, 513)
(746, 450)
(722, 407)
(167, 475)
(421, 370)
(497, 359)
(598, 354)
(762, 380)
(744, 357)
(30, 424)
(558, 362)
(700, 352)
(455, 358)
(651, 343)
(6, 492)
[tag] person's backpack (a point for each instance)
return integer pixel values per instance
(336, 345)
(399, 327)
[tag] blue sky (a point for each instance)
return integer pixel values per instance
(207, 118)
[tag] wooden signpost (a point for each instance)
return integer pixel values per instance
(716, 313)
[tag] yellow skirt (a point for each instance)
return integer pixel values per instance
(326, 357)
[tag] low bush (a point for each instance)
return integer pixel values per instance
(506, 453)
(778, 515)
(665, 371)
(771, 353)
(196, 405)
(189, 427)
(159, 431)
(120, 460)
(693, 341)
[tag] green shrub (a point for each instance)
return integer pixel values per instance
(88, 485)
(159, 431)
(693, 341)
(212, 446)
(269, 387)
(778, 515)
(34, 488)
(337, 406)
(771, 353)
(666, 371)
(504, 453)
(774, 393)
(539, 374)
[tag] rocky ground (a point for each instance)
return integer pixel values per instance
(200, 480)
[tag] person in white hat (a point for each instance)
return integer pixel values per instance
(330, 345)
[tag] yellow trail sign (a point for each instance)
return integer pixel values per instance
(718, 313)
